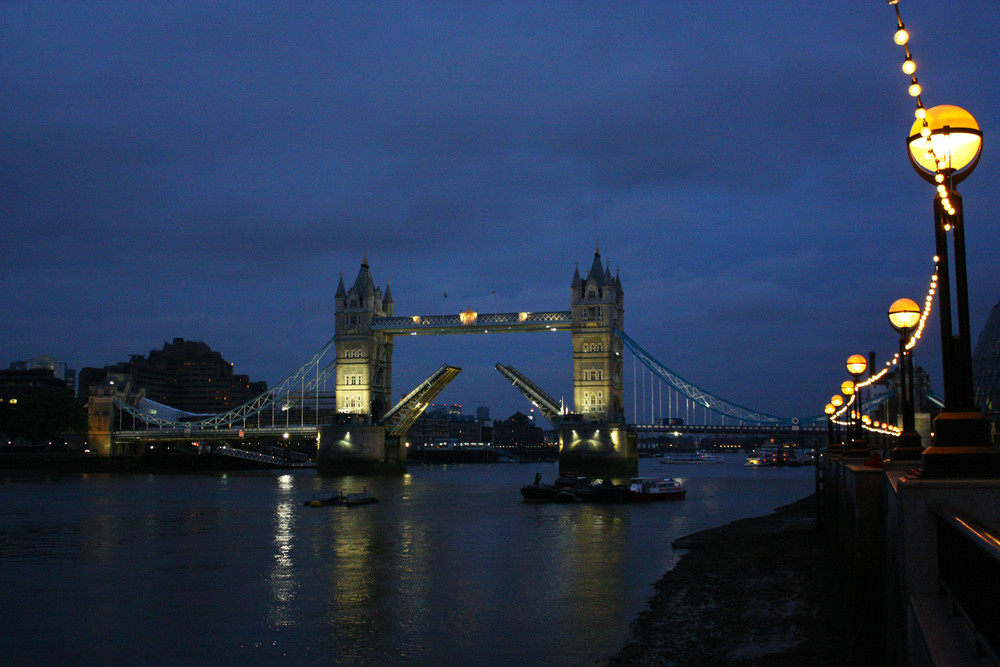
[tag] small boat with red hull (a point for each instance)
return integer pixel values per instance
(652, 489)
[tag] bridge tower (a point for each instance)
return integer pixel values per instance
(355, 443)
(598, 309)
(364, 356)
(598, 438)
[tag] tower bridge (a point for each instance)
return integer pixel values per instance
(356, 424)
(366, 326)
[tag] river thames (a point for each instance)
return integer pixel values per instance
(449, 568)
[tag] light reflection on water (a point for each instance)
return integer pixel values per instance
(450, 567)
(283, 581)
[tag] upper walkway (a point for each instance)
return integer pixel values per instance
(473, 322)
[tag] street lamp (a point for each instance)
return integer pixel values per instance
(856, 365)
(944, 146)
(904, 314)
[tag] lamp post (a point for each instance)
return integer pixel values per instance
(944, 146)
(847, 389)
(836, 401)
(904, 314)
(829, 410)
(856, 365)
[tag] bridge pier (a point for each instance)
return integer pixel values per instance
(347, 449)
(100, 413)
(603, 449)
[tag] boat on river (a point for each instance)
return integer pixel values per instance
(692, 457)
(340, 498)
(648, 489)
(567, 488)
(574, 488)
(760, 460)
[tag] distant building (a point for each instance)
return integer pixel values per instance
(59, 369)
(986, 370)
(483, 414)
(187, 375)
(444, 425)
(517, 431)
(889, 411)
(16, 379)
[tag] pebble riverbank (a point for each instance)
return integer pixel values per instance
(760, 591)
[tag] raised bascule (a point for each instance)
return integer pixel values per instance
(593, 435)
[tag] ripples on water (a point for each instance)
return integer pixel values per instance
(449, 568)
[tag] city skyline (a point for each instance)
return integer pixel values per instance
(209, 172)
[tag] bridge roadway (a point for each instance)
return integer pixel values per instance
(300, 431)
(165, 433)
(745, 429)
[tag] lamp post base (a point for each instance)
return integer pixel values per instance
(858, 448)
(962, 429)
(961, 448)
(908, 447)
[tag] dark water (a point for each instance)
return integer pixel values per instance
(449, 568)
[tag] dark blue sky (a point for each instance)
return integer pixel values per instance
(208, 170)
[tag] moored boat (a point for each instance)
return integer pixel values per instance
(340, 498)
(572, 488)
(567, 488)
(646, 489)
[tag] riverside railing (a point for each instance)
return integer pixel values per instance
(969, 572)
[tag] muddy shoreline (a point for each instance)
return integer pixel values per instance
(759, 591)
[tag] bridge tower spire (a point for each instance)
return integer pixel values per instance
(364, 356)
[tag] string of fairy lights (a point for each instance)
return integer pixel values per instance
(902, 38)
(918, 331)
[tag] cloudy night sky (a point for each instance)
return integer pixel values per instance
(208, 170)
